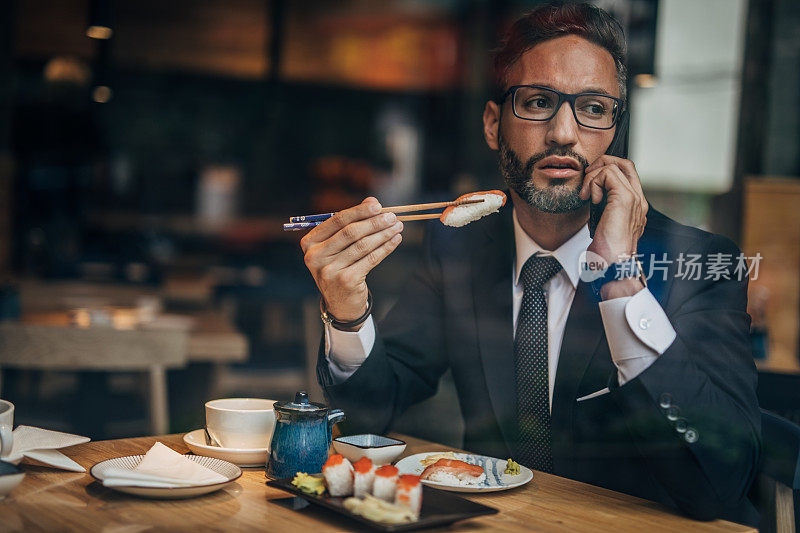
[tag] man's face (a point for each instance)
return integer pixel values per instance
(569, 64)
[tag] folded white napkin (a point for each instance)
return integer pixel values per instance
(162, 467)
(42, 445)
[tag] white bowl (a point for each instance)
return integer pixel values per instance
(196, 442)
(380, 450)
(10, 477)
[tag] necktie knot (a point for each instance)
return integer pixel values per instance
(538, 270)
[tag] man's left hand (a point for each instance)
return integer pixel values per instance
(622, 222)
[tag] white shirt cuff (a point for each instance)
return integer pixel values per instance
(638, 331)
(347, 350)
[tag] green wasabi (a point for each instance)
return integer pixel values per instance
(512, 468)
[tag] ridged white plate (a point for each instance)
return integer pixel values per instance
(224, 468)
(494, 468)
(196, 441)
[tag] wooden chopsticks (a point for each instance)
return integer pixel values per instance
(303, 222)
(425, 207)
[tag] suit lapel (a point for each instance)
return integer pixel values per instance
(491, 280)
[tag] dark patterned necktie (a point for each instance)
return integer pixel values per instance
(531, 361)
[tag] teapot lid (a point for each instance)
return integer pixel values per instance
(301, 403)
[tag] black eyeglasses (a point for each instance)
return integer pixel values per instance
(593, 110)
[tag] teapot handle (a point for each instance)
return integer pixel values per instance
(335, 416)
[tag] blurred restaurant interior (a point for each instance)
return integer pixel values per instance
(150, 151)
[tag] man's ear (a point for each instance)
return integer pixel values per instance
(491, 124)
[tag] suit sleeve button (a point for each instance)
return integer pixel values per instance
(691, 435)
(665, 401)
(681, 425)
(672, 413)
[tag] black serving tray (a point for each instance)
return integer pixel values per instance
(439, 507)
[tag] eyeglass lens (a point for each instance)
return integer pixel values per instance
(591, 110)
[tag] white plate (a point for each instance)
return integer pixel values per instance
(224, 468)
(196, 441)
(495, 478)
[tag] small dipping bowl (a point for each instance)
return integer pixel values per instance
(10, 477)
(379, 449)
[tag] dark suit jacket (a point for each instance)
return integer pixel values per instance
(456, 312)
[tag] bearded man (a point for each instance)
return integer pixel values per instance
(641, 386)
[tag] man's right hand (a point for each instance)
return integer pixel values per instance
(341, 251)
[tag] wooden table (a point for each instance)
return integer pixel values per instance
(52, 500)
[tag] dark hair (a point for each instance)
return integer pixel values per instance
(557, 19)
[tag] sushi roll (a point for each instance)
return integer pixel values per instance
(461, 215)
(409, 493)
(385, 483)
(363, 477)
(338, 474)
(454, 472)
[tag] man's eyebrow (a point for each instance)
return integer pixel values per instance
(598, 90)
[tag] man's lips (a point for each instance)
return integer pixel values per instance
(558, 167)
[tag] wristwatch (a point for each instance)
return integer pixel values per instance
(628, 269)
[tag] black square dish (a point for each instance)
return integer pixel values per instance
(439, 508)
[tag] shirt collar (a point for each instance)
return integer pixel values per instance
(568, 254)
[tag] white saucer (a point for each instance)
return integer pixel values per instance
(196, 441)
(10, 477)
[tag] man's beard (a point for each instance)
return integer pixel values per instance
(557, 197)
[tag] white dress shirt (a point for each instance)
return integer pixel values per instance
(636, 327)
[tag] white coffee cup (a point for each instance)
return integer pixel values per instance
(243, 423)
(6, 425)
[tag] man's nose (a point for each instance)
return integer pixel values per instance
(562, 129)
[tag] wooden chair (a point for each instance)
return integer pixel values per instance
(43, 347)
(779, 474)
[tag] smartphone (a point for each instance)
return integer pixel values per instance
(618, 148)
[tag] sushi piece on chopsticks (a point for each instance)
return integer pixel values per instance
(363, 477)
(409, 493)
(453, 472)
(338, 474)
(456, 213)
(461, 215)
(385, 483)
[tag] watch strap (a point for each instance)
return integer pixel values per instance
(331, 320)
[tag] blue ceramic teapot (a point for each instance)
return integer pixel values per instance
(302, 437)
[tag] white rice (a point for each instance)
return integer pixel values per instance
(384, 488)
(339, 478)
(362, 483)
(411, 499)
(464, 480)
(462, 215)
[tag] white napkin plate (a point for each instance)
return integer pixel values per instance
(196, 441)
(228, 470)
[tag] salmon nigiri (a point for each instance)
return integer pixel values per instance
(461, 215)
(454, 472)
